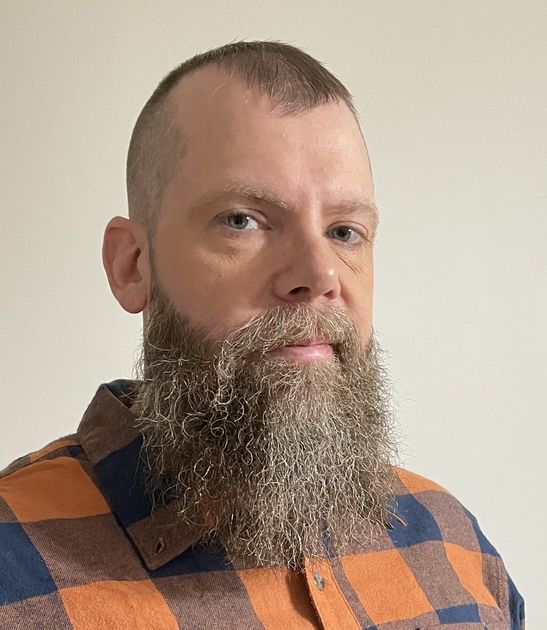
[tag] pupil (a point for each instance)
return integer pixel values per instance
(239, 219)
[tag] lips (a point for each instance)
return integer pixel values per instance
(311, 350)
(311, 342)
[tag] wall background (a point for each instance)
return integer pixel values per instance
(453, 100)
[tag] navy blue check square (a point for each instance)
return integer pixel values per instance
(24, 573)
(424, 529)
(459, 614)
(195, 560)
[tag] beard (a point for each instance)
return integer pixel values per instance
(275, 460)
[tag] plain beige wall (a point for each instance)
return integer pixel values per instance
(453, 101)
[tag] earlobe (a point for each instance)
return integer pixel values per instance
(126, 262)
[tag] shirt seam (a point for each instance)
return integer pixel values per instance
(24, 462)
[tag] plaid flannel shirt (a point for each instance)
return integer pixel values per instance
(79, 548)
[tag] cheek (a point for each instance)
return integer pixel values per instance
(357, 295)
(363, 319)
(194, 287)
(208, 288)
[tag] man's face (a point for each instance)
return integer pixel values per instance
(301, 190)
(265, 453)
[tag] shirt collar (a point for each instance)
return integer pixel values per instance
(113, 445)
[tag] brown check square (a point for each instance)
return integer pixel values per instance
(83, 550)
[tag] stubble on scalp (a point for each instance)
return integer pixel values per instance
(273, 459)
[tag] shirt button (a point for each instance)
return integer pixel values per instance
(319, 581)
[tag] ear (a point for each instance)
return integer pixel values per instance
(127, 263)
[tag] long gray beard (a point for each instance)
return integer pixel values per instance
(268, 457)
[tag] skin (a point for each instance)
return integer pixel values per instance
(295, 178)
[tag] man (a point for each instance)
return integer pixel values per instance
(246, 479)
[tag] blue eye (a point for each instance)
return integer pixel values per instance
(240, 220)
(345, 228)
(237, 221)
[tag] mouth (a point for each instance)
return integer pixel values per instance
(309, 350)
(310, 342)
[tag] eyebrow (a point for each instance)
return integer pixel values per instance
(257, 194)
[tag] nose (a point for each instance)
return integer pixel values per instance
(309, 272)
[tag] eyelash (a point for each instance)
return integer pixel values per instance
(224, 219)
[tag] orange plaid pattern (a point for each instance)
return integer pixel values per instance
(81, 548)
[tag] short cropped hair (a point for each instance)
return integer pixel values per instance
(293, 80)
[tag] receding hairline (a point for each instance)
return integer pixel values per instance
(294, 81)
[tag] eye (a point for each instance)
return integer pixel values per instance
(238, 221)
(347, 232)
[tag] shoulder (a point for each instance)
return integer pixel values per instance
(425, 502)
(67, 445)
(426, 506)
(430, 514)
(54, 482)
(40, 494)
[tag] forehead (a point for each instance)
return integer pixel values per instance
(235, 133)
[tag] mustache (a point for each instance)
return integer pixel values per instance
(271, 329)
